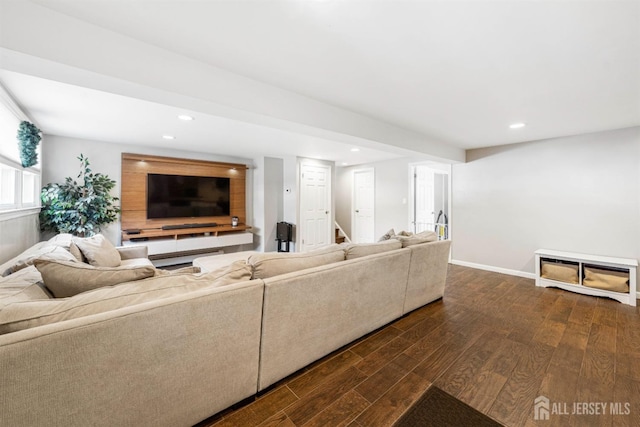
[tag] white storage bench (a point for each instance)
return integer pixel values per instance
(588, 274)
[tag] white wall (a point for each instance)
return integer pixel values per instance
(268, 201)
(17, 234)
(579, 193)
(61, 161)
(391, 195)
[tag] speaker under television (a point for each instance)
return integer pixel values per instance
(284, 231)
(284, 235)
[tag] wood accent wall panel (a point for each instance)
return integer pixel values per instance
(133, 198)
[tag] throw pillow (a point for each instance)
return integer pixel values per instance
(98, 251)
(386, 236)
(65, 279)
(237, 271)
(76, 252)
(409, 239)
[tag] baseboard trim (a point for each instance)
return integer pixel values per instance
(495, 269)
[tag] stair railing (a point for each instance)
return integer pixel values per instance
(341, 232)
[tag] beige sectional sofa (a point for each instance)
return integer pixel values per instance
(177, 347)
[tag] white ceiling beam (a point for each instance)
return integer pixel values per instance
(40, 42)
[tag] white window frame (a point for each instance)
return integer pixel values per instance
(18, 207)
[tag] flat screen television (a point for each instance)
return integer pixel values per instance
(182, 196)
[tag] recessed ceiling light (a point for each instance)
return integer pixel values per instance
(517, 125)
(355, 149)
(344, 163)
(168, 137)
(185, 117)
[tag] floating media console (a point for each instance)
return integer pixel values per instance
(173, 243)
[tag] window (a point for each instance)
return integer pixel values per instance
(30, 189)
(7, 187)
(19, 187)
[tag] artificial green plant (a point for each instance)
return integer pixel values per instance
(79, 207)
(28, 139)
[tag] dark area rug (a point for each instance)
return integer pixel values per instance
(439, 409)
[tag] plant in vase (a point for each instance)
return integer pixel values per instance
(79, 207)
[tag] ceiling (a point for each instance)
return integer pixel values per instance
(455, 71)
(79, 112)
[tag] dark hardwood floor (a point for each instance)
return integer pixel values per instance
(494, 341)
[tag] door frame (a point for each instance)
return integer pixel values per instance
(353, 202)
(302, 162)
(441, 168)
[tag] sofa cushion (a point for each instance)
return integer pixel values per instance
(62, 239)
(357, 250)
(24, 285)
(29, 314)
(213, 262)
(133, 252)
(36, 251)
(416, 239)
(271, 264)
(183, 270)
(65, 279)
(136, 262)
(98, 251)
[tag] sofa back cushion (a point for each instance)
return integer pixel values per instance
(271, 264)
(357, 250)
(29, 314)
(26, 258)
(24, 285)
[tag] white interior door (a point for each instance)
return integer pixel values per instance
(364, 206)
(315, 201)
(430, 200)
